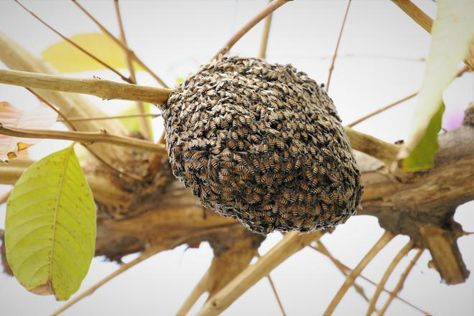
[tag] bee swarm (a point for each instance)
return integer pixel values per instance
(262, 143)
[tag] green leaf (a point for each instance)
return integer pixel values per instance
(51, 226)
(422, 156)
(452, 32)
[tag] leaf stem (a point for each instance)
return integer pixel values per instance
(83, 137)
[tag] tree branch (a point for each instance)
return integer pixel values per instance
(372, 146)
(381, 285)
(420, 17)
(290, 244)
(272, 6)
(262, 53)
(104, 89)
(379, 245)
(83, 137)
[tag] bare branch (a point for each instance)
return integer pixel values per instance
(401, 282)
(145, 128)
(275, 292)
(372, 146)
(112, 117)
(272, 6)
(381, 285)
(382, 109)
(334, 56)
(118, 42)
(379, 245)
(262, 53)
(346, 270)
(74, 43)
(83, 137)
(290, 244)
(104, 89)
(198, 290)
(420, 17)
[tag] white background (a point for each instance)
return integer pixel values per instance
(381, 60)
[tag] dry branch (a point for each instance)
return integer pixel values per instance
(379, 245)
(104, 89)
(401, 281)
(420, 17)
(83, 137)
(262, 53)
(381, 285)
(290, 244)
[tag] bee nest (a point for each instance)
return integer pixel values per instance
(262, 143)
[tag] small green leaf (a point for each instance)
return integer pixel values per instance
(422, 156)
(452, 33)
(51, 226)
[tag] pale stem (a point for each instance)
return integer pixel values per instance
(262, 53)
(379, 245)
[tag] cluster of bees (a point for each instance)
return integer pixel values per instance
(262, 143)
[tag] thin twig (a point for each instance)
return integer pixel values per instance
(74, 43)
(382, 109)
(343, 267)
(345, 270)
(275, 292)
(118, 42)
(381, 285)
(83, 137)
(372, 146)
(400, 101)
(145, 255)
(198, 290)
(262, 53)
(104, 89)
(334, 56)
(144, 126)
(289, 245)
(272, 6)
(401, 282)
(420, 17)
(112, 117)
(73, 127)
(379, 245)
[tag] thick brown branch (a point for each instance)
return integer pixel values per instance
(372, 146)
(83, 137)
(104, 89)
